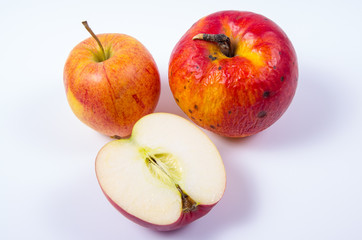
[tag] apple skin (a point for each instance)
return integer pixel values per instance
(111, 95)
(185, 218)
(241, 95)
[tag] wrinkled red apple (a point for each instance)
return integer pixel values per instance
(166, 175)
(234, 73)
(111, 81)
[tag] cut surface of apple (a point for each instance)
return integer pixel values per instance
(166, 175)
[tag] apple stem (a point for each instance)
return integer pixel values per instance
(188, 204)
(221, 40)
(85, 23)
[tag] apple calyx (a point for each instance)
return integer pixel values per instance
(98, 57)
(165, 167)
(221, 40)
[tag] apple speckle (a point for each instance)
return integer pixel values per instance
(261, 114)
(184, 87)
(212, 126)
(177, 100)
(196, 107)
(190, 110)
(212, 57)
(229, 112)
(274, 67)
(219, 67)
(266, 94)
(282, 79)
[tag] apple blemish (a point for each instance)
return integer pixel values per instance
(261, 114)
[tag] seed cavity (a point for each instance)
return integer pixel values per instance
(165, 167)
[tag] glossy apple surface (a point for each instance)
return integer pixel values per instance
(111, 95)
(240, 94)
(166, 175)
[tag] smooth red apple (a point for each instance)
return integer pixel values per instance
(111, 81)
(166, 175)
(234, 73)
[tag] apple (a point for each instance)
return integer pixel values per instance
(234, 73)
(166, 175)
(111, 81)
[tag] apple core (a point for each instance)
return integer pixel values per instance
(165, 167)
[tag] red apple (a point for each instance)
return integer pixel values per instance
(111, 81)
(234, 73)
(166, 175)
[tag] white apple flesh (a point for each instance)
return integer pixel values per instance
(166, 175)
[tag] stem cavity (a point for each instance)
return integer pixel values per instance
(221, 40)
(104, 57)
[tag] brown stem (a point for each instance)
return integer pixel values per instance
(221, 40)
(85, 23)
(188, 204)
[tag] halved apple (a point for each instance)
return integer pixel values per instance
(166, 175)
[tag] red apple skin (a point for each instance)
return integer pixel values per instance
(238, 96)
(185, 218)
(110, 96)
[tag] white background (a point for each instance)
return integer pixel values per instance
(299, 179)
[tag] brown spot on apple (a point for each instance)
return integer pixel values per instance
(177, 100)
(266, 94)
(282, 78)
(220, 68)
(190, 110)
(212, 126)
(212, 57)
(261, 114)
(196, 107)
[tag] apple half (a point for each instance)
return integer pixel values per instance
(166, 175)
